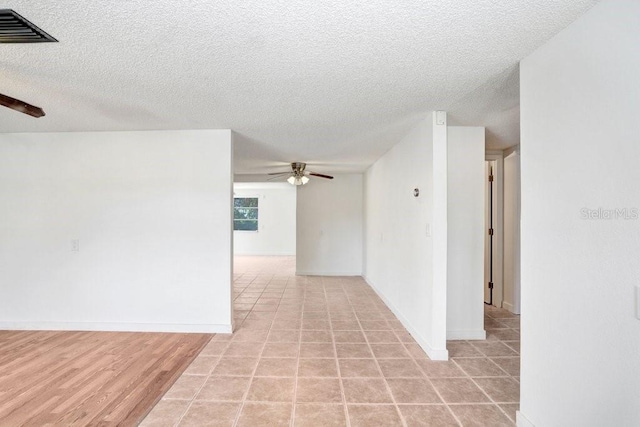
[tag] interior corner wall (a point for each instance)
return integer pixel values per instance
(580, 227)
(276, 233)
(124, 231)
(398, 249)
(466, 231)
(329, 224)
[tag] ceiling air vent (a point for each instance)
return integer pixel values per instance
(15, 29)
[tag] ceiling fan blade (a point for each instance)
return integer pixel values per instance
(21, 106)
(279, 173)
(320, 175)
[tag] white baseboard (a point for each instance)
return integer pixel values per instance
(467, 334)
(329, 273)
(522, 421)
(116, 327)
(434, 354)
(510, 307)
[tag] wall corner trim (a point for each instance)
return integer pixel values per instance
(522, 421)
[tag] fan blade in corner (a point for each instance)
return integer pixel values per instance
(320, 175)
(21, 106)
(279, 173)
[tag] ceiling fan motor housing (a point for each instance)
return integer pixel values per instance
(298, 168)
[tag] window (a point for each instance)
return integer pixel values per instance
(245, 213)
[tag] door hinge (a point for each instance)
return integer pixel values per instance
(490, 285)
(490, 178)
(491, 232)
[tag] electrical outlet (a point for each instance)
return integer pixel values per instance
(75, 245)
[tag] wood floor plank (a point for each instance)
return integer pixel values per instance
(88, 378)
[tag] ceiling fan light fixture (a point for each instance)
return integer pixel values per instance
(297, 180)
(298, 175)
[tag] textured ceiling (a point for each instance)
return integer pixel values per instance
(334, 83)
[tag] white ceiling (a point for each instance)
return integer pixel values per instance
(334, 83)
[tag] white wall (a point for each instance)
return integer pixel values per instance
(330, 226)
(398, 251)
(276, 233)
(511, 276)
(151, 212)
(466, 231)
(580, 149)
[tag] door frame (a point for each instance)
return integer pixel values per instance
(498, 228)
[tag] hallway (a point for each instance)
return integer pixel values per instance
(326, 351)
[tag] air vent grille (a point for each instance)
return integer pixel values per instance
(15, 29)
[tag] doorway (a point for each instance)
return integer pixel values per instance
(493, 240)
(502, 230)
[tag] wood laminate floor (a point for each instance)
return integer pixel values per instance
(88, 378)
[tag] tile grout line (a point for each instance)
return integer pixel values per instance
(246, 393)
(295, 386)
(446, 404)
(484, 356)
(491, 399)
(335, 351)
(329, 292)
(475, 383)
(478, 385)
(375, 359)
(506, 374)
(192, 400)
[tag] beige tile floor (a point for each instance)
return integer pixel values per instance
(326, 351)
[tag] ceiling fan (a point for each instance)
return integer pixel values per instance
(21, 106)
(14, 28)
(298, 175)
